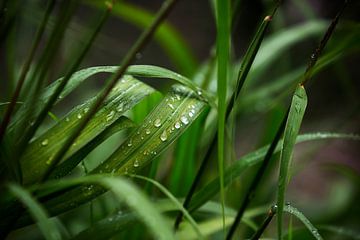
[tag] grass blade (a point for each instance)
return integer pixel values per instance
(223, 56)
(161, 128)
(237, 168)
(175, 201)
(293, 123)
(47, 227)
(39, 155)
(166, 35)
(294, 211)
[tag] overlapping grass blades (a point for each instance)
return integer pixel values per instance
(163, 125)
(47, 226)
(39, 154)
(124, 191)
(237, 168)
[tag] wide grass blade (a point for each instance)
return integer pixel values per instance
(237, 168)
(293, 123)
(166, 35)
(47, 226)
(40, 153)
(160, 129)
(223, 17)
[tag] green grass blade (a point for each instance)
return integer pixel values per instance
(176, 202)
(69, 164)
(167, 36)
(294, 211)
(293, 123)
(40, 153)
(124, 191)
(47, 226)
(135, 70)
(341, 231)
(237, 168)
(223, 36)
(160, 129)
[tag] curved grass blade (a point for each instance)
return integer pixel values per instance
(47, 226)
(293, 123)
(124, 191)
(160, 129)
(166, 35)
(40, 153)
(80, 76)
(175, 201)
(237, 168)
(294, 211)
(352, 234)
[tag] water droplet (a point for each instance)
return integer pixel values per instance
(67, 119)
(313, 56)
(138, 56)
(184, 120)
(110, 116)
(191, 113)
(45, 142)
(129, 144)
(136, 163)
(199, 92)
(287, 203)
(163, 136)
(79, 116)
(177, 125)
(86, 109)
(147, 131)
(120, 107)
(171, 106)
(157, 123)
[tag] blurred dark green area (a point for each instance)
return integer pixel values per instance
(326, 175)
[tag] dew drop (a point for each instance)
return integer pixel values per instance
(86, 109)
(129, 144)
(199, 92)
(120, 107)
(163, 136)
(110, 116)
(45, 142)
(177, 125)
(184, 120)
(79, 116)
(191, 113)
(157, 123)
(171, 106)
(147, 131)
(67, 119)
(136, 163)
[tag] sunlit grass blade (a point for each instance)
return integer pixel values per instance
(313, 230)
(237, 168)
(40, 153)
(47, 226)
(176, 202)
(167, 36)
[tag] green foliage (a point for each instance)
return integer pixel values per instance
(123, 156)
